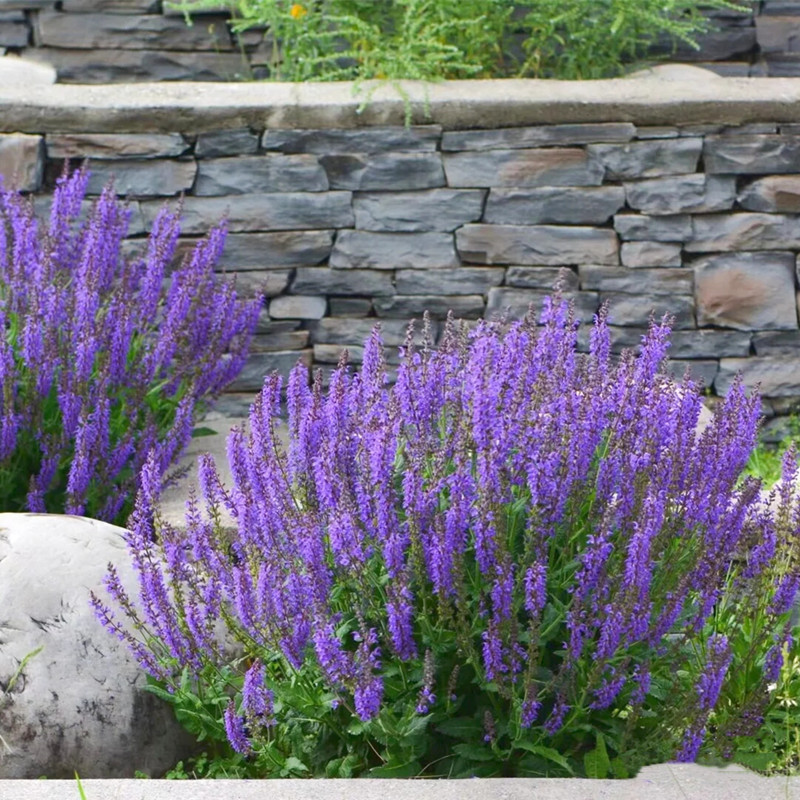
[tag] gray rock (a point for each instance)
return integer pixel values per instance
(114, 145)
(263, 212)
(146, 178)
(432, 210)
(648, 159)
(349, 306)
(592, 205)
(259, 365)
(334, 330)
(364, 250)
(778, 34)
(260, 174)
(640, 227)
(128, 66)
(79, 703)
(651, 281)
(293, 306)
(688, 344)
(681, 194)
(650, 254)
(115, 6)
(713, 45)
(279, 340)
(383, 171)
(21, 161)
(462, 280)
(43, 203)
(776, 343)
(332, 353)
(238, 142)
(326, 281)
(267, 283)
(637, 310)
(537, 244)
(541, 277)
(129, 32)
(557, 166)
(540, 135)
(14, 34)
(775, 193)
(516, 302)
(279, 249)
(463, 306)
(751, 155)
(702, 371)
(746, 291)
(777, 65)
(15, 71)
(369, 140)
(656, 132)
(746, 231)
(773, 376)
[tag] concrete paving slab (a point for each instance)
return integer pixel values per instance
(659, 782)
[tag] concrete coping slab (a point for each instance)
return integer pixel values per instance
(660, 782)
(648, 99)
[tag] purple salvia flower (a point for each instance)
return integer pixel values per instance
(236, 731)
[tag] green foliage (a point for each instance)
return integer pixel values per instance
(765, 460)
(454, 39)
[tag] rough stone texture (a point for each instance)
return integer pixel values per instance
(258, 174)
(778, 34)
(326, 281)
(517, 302)
(650, 281)
(42, 204)
(383, 171)
(570, 204)
(349, 306)
(366, 250)
(21, 161)
(332, 353)
(463, 280)
(115, 145)
(129, 32)
(333, 330)
(727, 232)
(558, 166)
(259, 365)
(648, 159)
(463, 306)
(293, 306)
(539, 136)
(536, 244)
(541, 277)
(432, 210)
(269, 283)
(775, 376)
(775, 193)
(650, 254)
(641, 227)
(751, 155)
(366, 141)
(281, 249)
(636, 310)
(776, 343)
(704, 371)
(79, 704)
(240, 142)
(695, 193)
(687, 344)
(263, 212)
(146, 178)
(747, 291)
(14, 34)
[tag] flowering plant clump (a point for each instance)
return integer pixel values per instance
(104, 359)
(516, 560)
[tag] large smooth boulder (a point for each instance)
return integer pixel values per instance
(78, 704)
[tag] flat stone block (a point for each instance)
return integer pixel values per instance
(239, 142)
(14, 34)
(341, 331)
(113, 6)
(432, 210)
(293, 306)
(383, 171)
(260, 174)
(129, 32)
(114, 145)
(327, 281)
(636, 310)
(259, 365)
(751, 155)
(649, 281)
(688, 344)
(247, 251)
(266, 283)
(349, 306)
(775, 376)
(461, 280)
(332, 353)
(276, 341)
(776, 343)
(778, 34)
(592, 205)
(746, 231)
(641, 227)
(682, 194)
(537, 244)
(368, 141)
(774, 193)
(538, 136)
(558, 166)
(366, 250)
(747, 291)
(146, 178)
(516, 302)
(648, 159)
(650, 254)
(702, 371)
(21, 161)
(438, 306)
(541, 277)
(263, 212)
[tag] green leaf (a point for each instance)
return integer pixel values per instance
(461, 728)
(198, 433)
(410, 770)
(474, 752)
(547, 753)
(619, 769)
(596, 762)
(760, 762)
(293, 765)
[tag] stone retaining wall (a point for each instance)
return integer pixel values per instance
(342, 226)
(97, 41)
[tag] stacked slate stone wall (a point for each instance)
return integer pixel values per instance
(341, 228)
(97, 41)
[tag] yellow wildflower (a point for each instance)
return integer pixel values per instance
(297, 11)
